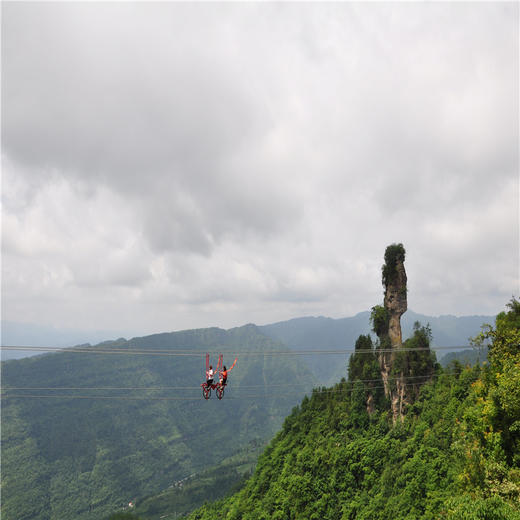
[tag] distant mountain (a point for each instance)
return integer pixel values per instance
(447, 330)
(320, 333)
(301, 333)
(29, 334)
(95, 430)
(465, 357)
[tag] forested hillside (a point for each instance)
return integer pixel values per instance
(454, 456)
(465, 357)
(89, 432)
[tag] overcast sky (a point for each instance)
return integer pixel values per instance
(176, 165)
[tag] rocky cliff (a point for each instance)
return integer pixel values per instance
(395, 301)
(390, 336)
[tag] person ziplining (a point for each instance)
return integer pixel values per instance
(209, 376)
(222, 372)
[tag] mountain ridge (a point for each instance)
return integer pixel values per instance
(24, 334)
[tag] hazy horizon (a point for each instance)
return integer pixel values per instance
(34, 335)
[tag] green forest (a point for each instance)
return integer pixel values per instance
(454, 456)
(103, 429)
(337, 454)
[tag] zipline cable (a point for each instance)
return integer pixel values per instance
(184, 398)
(199, 353)
(154, 388)
(158, 398)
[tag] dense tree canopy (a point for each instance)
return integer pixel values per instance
(73, 457)
(393, 254)
(455, 456)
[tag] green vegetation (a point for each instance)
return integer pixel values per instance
(417, 364)
(380, 320)
(393, 254)
(126, 434)
(89, 457)
(211, 484)
(364, 379)
(362, 365)
(124, 516)
(456, 455)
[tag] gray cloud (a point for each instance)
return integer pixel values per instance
(249, 162)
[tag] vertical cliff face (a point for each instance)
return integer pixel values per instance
(395, 301)
(390, 336)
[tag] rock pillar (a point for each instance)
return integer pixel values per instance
(395, 304)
